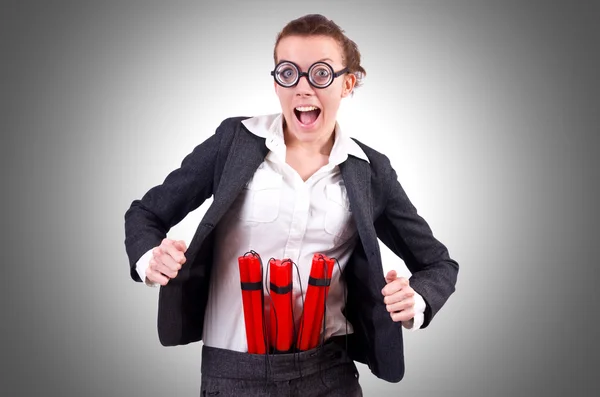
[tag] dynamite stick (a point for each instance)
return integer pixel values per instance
(314, 303)
(282, 321)
(252, 300)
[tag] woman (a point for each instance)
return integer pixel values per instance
(288, 186)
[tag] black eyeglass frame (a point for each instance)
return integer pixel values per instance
(299, 75)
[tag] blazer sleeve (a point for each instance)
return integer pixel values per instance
(149, 219)
(409, 236)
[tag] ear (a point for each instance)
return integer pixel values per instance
(349, 82)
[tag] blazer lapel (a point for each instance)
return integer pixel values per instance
(247, 152)
(357, 178)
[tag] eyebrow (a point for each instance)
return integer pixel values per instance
(320, 60)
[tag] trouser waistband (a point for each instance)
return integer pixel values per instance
(223, 363)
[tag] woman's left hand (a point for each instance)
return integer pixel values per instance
(398, 297)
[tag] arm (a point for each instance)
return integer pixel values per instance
(409, 236)
(147, 221)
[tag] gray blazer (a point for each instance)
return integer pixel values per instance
(220, 167)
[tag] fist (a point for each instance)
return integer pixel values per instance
(398, 297)
(166, 261)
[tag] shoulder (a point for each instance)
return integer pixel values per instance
(231, 124)
(228, 129)
(222, 138)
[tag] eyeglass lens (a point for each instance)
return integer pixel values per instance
(319, 74)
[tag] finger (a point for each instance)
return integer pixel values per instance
(402, 305)
(180, 244)
(403, 315)
(174, 252)
(390, 276)
(169, 264)
(398, 296)
(157, 266)
(156, 277)
(166, 243)
(162, 263)
(395, 286)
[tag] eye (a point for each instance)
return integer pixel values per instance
(287, 73)
(321, 75)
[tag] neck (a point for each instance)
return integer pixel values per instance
(319, 147)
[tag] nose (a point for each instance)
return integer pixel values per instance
(303, 88)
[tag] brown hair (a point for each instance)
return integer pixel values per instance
(318, 25)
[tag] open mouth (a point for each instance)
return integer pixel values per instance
(307, 115)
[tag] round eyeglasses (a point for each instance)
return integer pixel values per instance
(320, 74)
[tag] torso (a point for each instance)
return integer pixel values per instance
(287, 210)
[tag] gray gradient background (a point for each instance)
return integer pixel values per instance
(488, 111)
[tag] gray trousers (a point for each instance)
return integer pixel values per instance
(327, 371)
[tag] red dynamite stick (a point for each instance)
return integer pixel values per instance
(316, 293)
(257, 305)
(282, 322)
(324, 271)
(247, 303)
(323, 294)
(251, 284)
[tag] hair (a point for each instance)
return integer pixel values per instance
(318, 25)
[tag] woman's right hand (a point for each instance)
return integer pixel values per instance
(166, 261)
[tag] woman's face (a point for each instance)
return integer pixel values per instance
(302, 124)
